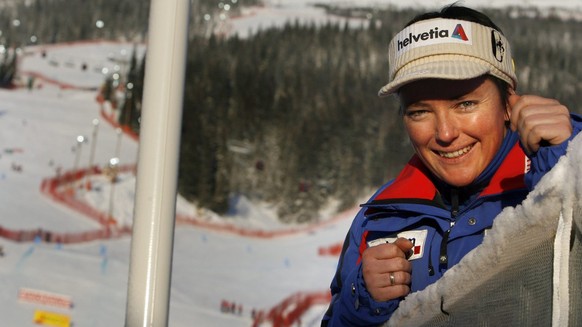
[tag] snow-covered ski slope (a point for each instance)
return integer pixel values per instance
(39, 129)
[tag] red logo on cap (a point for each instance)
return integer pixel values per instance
(459, 33)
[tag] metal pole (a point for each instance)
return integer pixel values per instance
(95, 123)
(155, 206)
(80, 141)
(91, 154)
(113, 166)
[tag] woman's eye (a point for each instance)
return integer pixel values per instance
(415, 113)
(467, 104)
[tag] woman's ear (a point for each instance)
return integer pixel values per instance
(511, 100)
(507, 113)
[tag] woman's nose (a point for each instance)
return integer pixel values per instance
(446, 130)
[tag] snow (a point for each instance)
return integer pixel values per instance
(208, 266)
(280, 12)
(39, 130)
(38, 134)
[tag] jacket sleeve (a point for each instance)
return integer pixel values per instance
(546, 157)
(351, 304)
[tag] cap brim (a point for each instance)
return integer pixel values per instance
(443, 69)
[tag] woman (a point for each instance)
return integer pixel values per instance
(479, 147)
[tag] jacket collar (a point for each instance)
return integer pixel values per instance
(414, 181)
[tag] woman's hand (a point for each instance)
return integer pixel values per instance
(539, 121)
(386, 270)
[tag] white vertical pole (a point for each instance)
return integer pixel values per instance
(155, 204)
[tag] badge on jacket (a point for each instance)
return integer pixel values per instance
(417, 237)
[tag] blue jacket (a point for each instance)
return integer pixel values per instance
(444, 224)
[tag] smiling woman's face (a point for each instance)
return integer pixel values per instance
(456, 127)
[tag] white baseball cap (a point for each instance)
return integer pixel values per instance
(447, 49)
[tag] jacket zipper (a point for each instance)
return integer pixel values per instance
(443, 256)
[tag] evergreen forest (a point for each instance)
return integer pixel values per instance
(290, 116)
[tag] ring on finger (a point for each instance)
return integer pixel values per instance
(392, 279)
